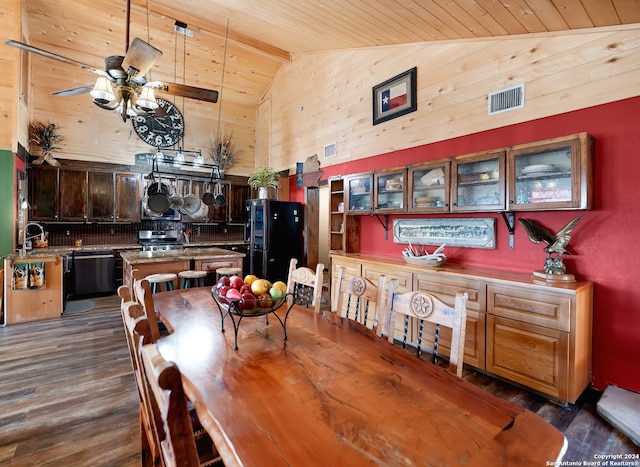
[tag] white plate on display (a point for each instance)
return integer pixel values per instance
(538, 169)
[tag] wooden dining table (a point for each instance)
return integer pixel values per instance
(336, 394)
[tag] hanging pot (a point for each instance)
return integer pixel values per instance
(148, 211)
(158, 202)
(176, 202)
(157, 187)
(201, 213)
(191, 205)
(208, 199)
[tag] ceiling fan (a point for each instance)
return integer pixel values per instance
(122, 85)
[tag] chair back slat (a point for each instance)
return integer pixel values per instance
(424, 307)
(305, 285)
(167, 399)
(358, 299)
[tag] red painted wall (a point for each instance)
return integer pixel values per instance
(606, 242)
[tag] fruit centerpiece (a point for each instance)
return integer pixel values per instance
(251, 296)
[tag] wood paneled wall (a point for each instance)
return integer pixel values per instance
(321, 98)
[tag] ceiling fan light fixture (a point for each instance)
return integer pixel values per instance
(102, 92)
(147, 99)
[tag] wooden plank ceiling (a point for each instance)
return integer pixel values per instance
(262, 35)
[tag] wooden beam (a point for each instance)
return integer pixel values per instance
(239, 39)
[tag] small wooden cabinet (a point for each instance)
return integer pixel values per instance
(359, 193)
(478, 182)
(44, 187)
(551, 174)
(429, 187)
(531, 333)
(390, 190)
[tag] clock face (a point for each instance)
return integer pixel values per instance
(160, 131)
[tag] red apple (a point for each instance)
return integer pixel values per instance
(224, 280)
(222, 291)
(245, 289)
(265, 300)
(236, 282)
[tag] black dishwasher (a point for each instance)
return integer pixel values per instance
(94, 272)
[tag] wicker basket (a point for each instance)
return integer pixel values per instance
(426, 260)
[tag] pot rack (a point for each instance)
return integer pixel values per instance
(168, 165)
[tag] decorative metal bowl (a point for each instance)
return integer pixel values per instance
(427, 260)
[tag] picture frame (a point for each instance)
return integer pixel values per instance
(395, 97)
(476, 232)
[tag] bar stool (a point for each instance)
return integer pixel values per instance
(227, 272)
(166, 279)
(192, 278)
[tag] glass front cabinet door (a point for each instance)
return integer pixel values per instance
(478, 182)
(551, 174)
(390, 189)
(359, 197)
(429, 187)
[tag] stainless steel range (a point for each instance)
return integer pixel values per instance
(159, 240)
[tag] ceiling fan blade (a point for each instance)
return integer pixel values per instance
(140, 56)
(60, 58)
(73, 91)
(182, 90)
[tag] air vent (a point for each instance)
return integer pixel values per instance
(329, 150)
(506, 99)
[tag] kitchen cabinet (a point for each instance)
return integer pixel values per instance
(127, 197)
(238, 194)
(25, 305)
(478, 182)
(358, 193)
(44, 186)
(65, 195)
(73, 195)
(101, 196)
(551, 174)
(390, 191)
(531, 333)
(429, 187)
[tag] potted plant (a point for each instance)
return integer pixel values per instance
(47, 138)
(262, 179)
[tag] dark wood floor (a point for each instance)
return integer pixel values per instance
(68, 398)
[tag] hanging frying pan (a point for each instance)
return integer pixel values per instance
(191, 205)
(158, 197)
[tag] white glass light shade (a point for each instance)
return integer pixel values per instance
(103, 91)
(198, 160)
(147, 99)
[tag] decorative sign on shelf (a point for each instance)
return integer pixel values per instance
(467, 233)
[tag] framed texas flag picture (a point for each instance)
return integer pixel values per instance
(395, 97)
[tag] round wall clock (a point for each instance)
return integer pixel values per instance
(160, 131)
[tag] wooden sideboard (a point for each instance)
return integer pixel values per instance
(520, 329)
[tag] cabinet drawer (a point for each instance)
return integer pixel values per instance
(211, 266)
(548, 310)
(531, 355)
(445, 288)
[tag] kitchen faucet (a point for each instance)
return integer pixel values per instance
(25, 236)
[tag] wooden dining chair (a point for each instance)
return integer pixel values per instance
(358, 299)
(425, 307)
(178, 446)
(138, 331)
(142, 294)
(305, 285)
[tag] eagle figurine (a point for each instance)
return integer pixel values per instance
(556, 243)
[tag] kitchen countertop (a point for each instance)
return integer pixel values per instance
(188, 253)
(53, 251)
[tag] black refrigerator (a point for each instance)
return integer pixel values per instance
(273, 234)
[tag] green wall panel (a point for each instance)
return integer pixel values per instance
(7, 169)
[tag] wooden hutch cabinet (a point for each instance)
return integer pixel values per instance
(528, 332)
